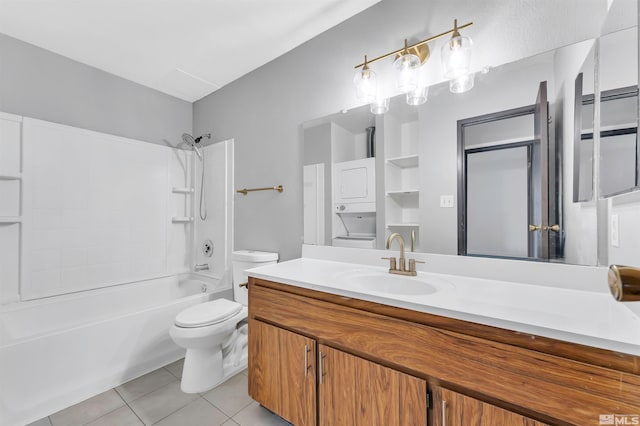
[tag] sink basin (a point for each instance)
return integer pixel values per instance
(384, 282)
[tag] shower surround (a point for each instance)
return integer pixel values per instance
(104, 237)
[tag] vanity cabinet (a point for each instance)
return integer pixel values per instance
(283, 373)
(355, 391)
(350, 390)
(454, 409)
(370, 363)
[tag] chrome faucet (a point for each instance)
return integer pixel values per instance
(201, 267)
(401, 268)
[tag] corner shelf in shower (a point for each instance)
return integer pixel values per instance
(10, 176)
(177, 190)
(10, 220)
(181, 219)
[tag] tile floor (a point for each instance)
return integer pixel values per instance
(156, 399)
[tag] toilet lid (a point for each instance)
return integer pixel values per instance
(208, 313)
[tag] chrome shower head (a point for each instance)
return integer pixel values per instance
(189, 140)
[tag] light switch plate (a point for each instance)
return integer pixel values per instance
(615, 230)
(446, 201)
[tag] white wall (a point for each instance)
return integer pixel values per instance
(40, 84)
(627, 251)
(264, 109)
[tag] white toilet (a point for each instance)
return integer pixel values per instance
(215, 333)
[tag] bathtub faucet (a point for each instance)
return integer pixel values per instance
(201, 267)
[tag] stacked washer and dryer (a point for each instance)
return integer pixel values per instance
(215, 333)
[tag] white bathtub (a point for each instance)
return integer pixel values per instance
(58, 351)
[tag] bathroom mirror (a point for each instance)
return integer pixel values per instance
(583, 130)
(618, 78)
(417, 161)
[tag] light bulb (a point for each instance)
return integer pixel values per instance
(456, 57)
(366, 84)
(407, 71)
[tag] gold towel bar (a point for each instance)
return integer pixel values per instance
(245, 191)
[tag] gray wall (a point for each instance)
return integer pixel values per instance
(40, 84)
(263, 110)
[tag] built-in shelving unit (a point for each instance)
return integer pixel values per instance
(402, 173)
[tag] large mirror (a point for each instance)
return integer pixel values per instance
(486, 173)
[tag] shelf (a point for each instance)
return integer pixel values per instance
(7, 176)
(403, 225)
(403, 192)
(405, 161)
(176, 190)
(177, 219)
(10, 219)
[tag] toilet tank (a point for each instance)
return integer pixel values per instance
(243, 260)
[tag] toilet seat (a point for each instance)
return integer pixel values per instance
(209, 313)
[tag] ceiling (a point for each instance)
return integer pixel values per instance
(185, 48)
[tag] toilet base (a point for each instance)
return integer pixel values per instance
(205, 369)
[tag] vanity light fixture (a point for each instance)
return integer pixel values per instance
(456, 60)
(406, 67)
(380, 106)
(366, 83)
(456, 55)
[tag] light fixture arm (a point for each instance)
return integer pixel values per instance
(454, 30)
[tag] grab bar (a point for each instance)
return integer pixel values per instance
(245, 191)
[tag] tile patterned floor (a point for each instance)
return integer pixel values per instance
(156, 399)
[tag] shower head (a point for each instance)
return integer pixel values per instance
(190, 140)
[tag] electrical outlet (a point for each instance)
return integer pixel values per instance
(615, 230)
(446, 201)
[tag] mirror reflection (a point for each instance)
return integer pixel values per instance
(481, 173)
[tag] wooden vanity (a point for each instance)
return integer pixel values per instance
(321, 358)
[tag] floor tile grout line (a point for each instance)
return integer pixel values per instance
(173, 412)
(217, 408)
(134, 413)
(145, 394)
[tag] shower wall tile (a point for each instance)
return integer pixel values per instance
(10, 137)
(98, 210)
(10, 196)
(9, 261)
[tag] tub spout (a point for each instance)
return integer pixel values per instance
(201, 267)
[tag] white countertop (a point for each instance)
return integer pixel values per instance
(585, 317)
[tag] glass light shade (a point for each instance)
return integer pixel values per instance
(462, 83)
(456, 57)
(417, 96)
(366, 85)
(407, 71)
(380, 106)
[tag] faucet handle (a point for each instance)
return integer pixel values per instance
(412, 264)
(392, 263)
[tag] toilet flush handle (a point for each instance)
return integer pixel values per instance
(244, 285)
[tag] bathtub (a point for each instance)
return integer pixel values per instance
(58, 351)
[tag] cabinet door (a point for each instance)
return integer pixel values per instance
(454, 409)
(354, 391)
(282, 372)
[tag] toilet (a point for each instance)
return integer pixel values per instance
(215, 333)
